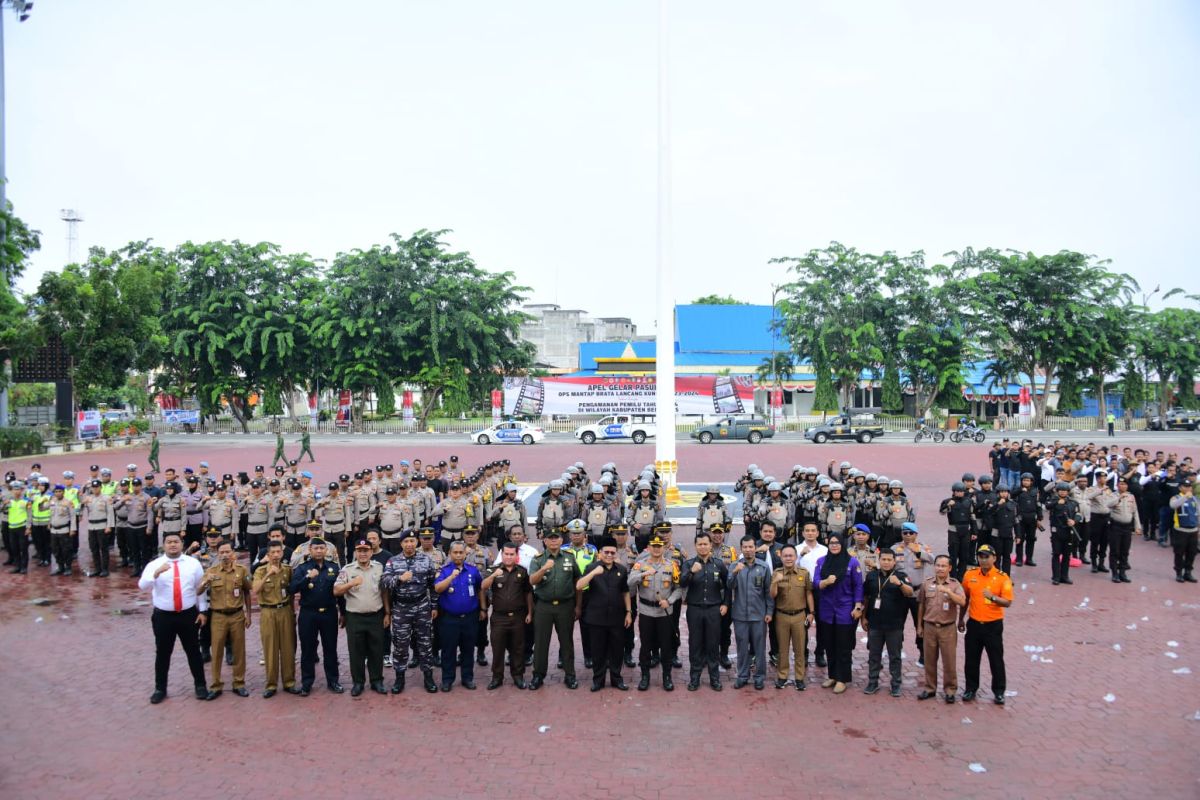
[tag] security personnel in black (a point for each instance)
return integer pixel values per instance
(959, 511)
(1004, 527)
(320, 611)
(705, 583)
(985, 503)
(1029, 520)
(1065, 520)
(607, 613)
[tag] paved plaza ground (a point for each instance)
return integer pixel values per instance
(1103, 683)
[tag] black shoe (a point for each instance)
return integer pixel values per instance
(1179, 576)
(1101, 568)
(481, 659)
(587, 663)
(871, 688)
(780, 683)
(398, 686)
(676, 663)
(240, 691)
(739, 683)
(536, 683)
(1116, 578)
(469, 685)
(378, 687)
(693, 685)
(447, 686)
(644, 683)
(895, 691)
(726, 663)
(1084, 559)
(1067, 581)
(1189, 577)
(1125, 578)
(800, 686)
(968, 696)
(1030, 564)
(758, 684)
(66, 573)
(291, 690)
(356, 689)
(821, 660)
(494, 683)
(926, 695)
(949, 699)
(629, 662)
(619, 683)
(571, 683)
(519, 683)
(715, 684)
(268, 694)
(336, 688)
(998, 699)
(1094, 569)
(305, 691)
(597, 685)
(158, 696)
(655, 661)
(1018, 563)
(1054, 581)
(668, 684)
(204, 694)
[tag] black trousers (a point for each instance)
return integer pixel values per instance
(366, 640)
(1027, 530)
(958, 545)
(315, 625)
(1060, 553)
(19, 543)
(983, 636)
(123, 541)
(60, 548)
(1004, 549)
(98, 550)
(41, 542)
(147, 545)
(657, 634)
(1120, 535)
(877, 638)
(704, 639)
(457, 633)
(169, 626)
(134, 547)
(1184, 544)
(840, 642)
(608, 647)
(193, 533)
(1098, 537)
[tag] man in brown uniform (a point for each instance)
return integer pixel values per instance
(366, 623)
(228, 586)
(512, 610)
(277, 620)
(791, 586)
(936, 618)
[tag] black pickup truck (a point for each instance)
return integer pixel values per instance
(844, 428)
(753, 430)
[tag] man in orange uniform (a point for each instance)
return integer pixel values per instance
(989, 592)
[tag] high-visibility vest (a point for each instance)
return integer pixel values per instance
(41, 509)
(18, 512)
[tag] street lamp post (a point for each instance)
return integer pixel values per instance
(664, 367)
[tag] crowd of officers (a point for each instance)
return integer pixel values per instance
(425, 565)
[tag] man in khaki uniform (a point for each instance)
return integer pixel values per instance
(456, 511)
(228, 586)
(936, 619)
(791, 586)
(395, 519)
(479, 557)
(366, 623)
(277, 620)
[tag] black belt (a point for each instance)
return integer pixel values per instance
(790, 613)
(409, 601)
(222, 527)
(320, 610)
(452, 530)
(703, 605)
(391, 534)
(225, 610)
(366, 613)
(938, 624)
(553, 602)
(648, 604)
(463, 615)
(273, 605)
(499, 613)
(61, 530)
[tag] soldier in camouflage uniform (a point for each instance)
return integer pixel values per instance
(407, 584)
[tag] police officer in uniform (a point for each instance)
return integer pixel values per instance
(358, 584)
(712, 510)
(228, 585)
(1029, 520)
(454, 511)
(959, 511)
(62, 530)
(101, 519)
(1065, 518)
(319, 617)
(259, 511)
(656, 581)
(407, 583)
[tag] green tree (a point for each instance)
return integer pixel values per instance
(717, 300)
(1037, 309)
(386, 394)
(107, 313)
(19, 336)
(1169, 342)
(893, 400)
(233, 314)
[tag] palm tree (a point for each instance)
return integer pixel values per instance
(1000, 372)
(775, 369)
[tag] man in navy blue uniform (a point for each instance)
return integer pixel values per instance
(319, 612)
(460, 607)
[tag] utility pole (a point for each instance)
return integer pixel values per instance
(664, 361)
(21, 8)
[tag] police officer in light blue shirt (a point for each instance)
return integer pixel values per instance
(460, 607)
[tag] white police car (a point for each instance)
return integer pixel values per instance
(638, 427)
(511, 432)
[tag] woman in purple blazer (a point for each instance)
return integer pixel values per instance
(839, 583)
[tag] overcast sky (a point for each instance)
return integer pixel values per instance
(529, 128)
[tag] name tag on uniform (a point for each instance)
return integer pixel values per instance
(878, 602)
(470, 590)
(946, 605)
(237, 592)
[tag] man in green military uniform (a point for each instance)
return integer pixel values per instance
(557, 605)
(306, 446)
(279, 454)
(153, 457)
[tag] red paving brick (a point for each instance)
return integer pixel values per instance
(77, 675)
